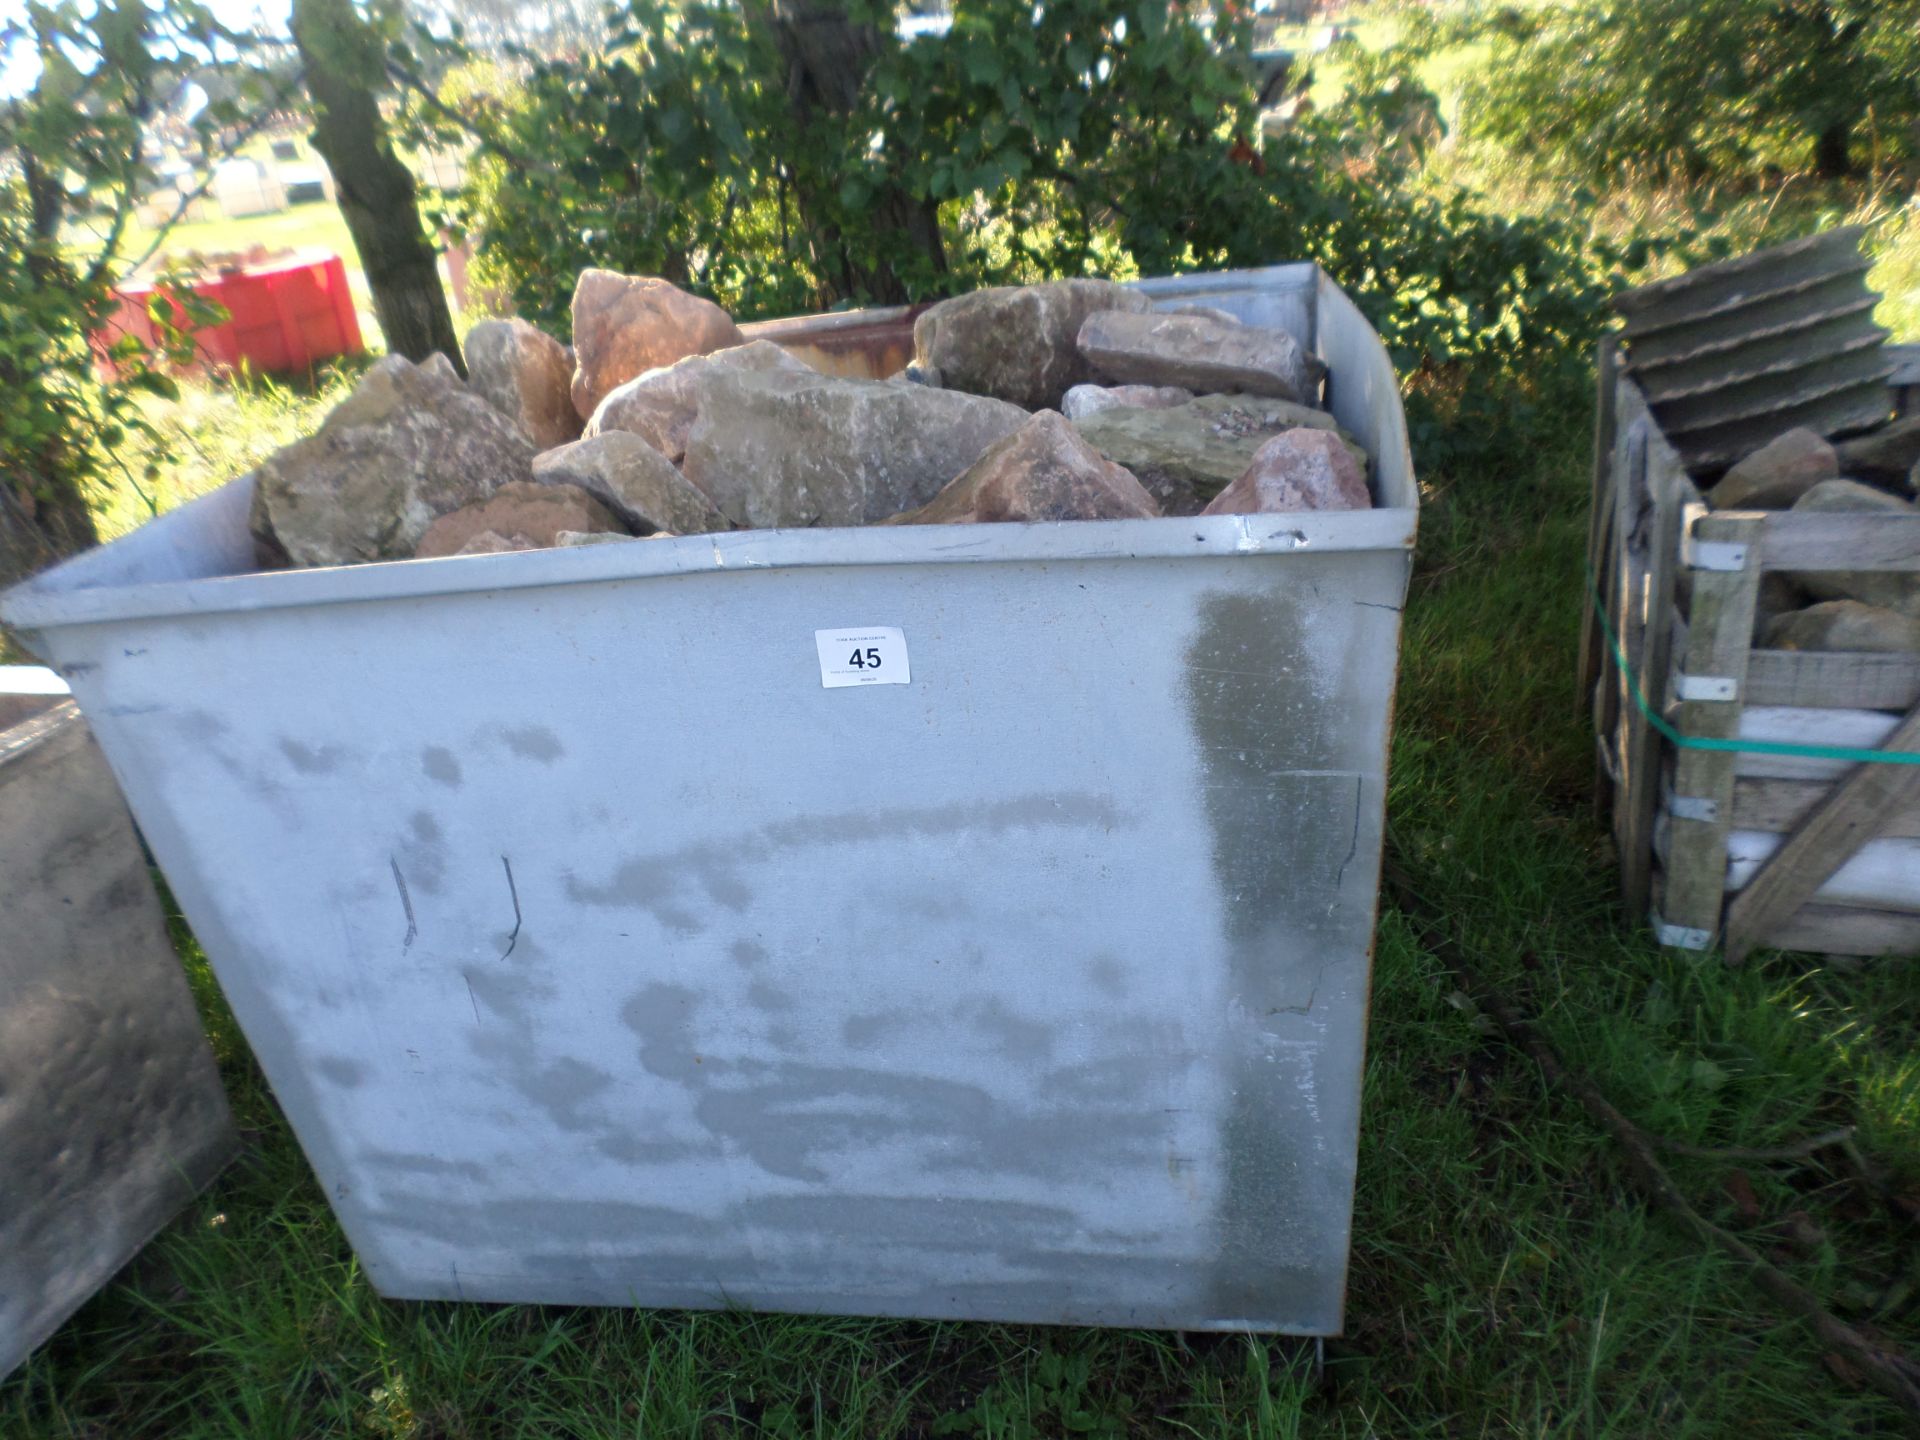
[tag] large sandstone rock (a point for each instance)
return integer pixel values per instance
(1777, 474)
(632, 479)
(1844, 625)
(1017, 343)
(527, 376)
(774, 447)
(1296, 470)
(492, 542)
(1887, 456)
(1043, 471)
(1889, 589)
(523, 514)
(1187, 454)
(626, 325)
(408, 445)
(1084, 400)
(1200, 352)
(660, 405)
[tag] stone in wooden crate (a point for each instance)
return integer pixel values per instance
(1844, 625)
(1730, 354)
(1777, 474)
(1889, 589)
(1886, 456)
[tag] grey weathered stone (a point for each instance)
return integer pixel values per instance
(1017, 343)
(440, 367)
(573, 539)
(660, 405)
(626, 325)
(632, 479)
(1777, 474)
(1187, 454)
(1850, 497)
(1844, 625)
(407, 446)
(1887, 456)
(775, 447)
(1890, 589)
(1199, 352)
(1084, 400)
(1043, 471)
(517, 512)
(527, 376)
(1779, 594)
(1296, 470)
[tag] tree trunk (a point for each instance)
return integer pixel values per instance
(827, 57)
(1833, 150)
(344, 64)
(44, 517)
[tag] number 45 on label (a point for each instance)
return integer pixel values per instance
(862, 655)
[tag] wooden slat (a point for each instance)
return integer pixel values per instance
(1719, 636)
(1626, 580)
(1664, 480)
(1832, 679)
(1599, 686)
(1832, 930)
(1778, 806)
(1853, 813)
(1872, 540)
(1593, 644)
(1633, 749)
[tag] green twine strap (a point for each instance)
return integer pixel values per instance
(1744, 747)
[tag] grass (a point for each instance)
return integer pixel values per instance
(215, 431)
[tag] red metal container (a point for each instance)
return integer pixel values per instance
(285, 314)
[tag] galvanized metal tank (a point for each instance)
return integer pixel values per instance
(600, 951)
(111, 1112)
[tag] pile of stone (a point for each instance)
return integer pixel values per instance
(1874, 473)
(1072, 400)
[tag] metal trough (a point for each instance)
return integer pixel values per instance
(600, 952)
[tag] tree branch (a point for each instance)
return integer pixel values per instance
(1797, 1150)
(187, 198)
(485, 139)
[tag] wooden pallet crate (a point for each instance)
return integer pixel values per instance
(1675, 587)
